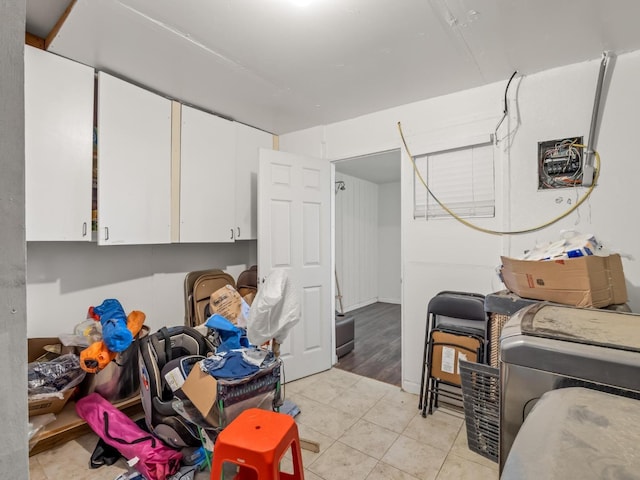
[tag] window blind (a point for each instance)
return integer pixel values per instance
(462, 179)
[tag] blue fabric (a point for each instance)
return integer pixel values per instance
(115, 334)
(231, 336)
(230, 364)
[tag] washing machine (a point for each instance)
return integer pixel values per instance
(545, 347)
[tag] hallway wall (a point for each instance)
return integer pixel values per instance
(389, 245)
(367, 242)
(357, 242)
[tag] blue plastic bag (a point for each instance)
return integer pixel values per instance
(115, 334)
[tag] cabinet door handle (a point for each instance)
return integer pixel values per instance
(106, 233)
(238, 233)
(231, 234)
(84, 229)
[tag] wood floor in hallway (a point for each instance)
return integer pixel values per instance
(377, 343)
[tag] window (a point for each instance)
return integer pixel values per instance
(461, 178)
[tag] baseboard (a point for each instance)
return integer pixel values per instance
(411, 387)
(360, 305)
(395, 301)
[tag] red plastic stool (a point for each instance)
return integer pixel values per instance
(256, 441)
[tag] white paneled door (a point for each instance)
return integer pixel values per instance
(294, 233)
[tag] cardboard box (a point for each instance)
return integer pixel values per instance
(202, 389)
(226, 301)
(590, 281)
(36, 350)
(253, 391)
(51, 404)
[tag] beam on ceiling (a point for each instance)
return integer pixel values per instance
(34, 40)
(56, 28)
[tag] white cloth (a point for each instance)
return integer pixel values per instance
(275, 309)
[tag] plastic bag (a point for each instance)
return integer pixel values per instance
(231, 336)
(90, 330)
(275, 310)
(115, 334)
(84, 334)
(57, 375)
(572, 244)
(36, 425)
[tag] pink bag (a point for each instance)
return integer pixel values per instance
(156, 461)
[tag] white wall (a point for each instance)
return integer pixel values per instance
(307, 142)
(367, 242)
(389, 266)
(444, 255)
(64, 279)
(357, 242)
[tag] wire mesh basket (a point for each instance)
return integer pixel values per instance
(481, 401)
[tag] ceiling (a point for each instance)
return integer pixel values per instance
(280, 66)
(383, 167)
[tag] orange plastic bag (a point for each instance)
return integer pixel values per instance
(97, 356)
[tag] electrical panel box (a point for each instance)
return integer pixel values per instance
(560, 163)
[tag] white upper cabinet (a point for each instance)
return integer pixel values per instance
(215, 166)
(134, 164)
(207, 177)
(58, 100)
(249, 141)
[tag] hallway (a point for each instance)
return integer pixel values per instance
(377, 350)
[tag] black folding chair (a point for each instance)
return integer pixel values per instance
(450, 313)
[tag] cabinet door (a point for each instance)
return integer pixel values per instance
(58, 101)
(249, 141)
(207, 177)
(134, 164)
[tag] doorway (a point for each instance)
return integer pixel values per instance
(368, 262)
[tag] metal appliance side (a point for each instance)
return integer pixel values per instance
(520, 388)
(531, 366)
(601, 365)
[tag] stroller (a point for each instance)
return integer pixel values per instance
(167, 357)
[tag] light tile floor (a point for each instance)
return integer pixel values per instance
(366, 430)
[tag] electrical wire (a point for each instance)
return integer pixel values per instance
(499, 232)
(565, 147)
(554, 181)
(506, 107)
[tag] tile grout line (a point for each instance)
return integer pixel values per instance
(379, 426)
(321, 454)
(361, 417)
(431, 446)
